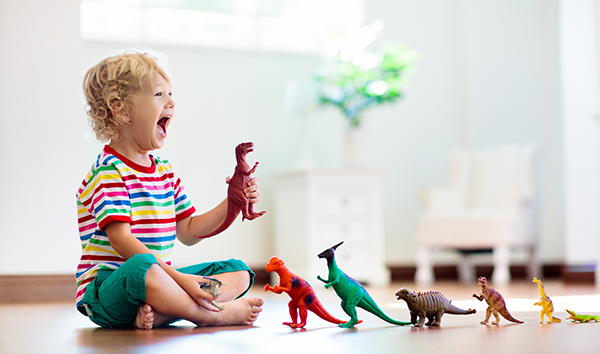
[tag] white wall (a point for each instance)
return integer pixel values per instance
(581, 133)
(40, 135)
(512, 95)
(488, 74)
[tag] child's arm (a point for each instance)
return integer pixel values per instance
(203, 224)
(121, 239)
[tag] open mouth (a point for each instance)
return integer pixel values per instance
(161, 126)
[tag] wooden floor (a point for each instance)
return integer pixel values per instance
(59, 328)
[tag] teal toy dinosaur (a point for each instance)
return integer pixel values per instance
(351, 292)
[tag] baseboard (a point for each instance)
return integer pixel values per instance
(36, 288)
(261, 278)
(449, 273)
(579, 274)
(48, 288)
(403, 273)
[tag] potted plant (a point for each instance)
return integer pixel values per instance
(356, 80)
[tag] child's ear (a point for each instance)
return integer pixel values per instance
(119, 110)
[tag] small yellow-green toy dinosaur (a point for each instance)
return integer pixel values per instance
(582, 318)
(545, 303)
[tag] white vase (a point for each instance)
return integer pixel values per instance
(355, 147)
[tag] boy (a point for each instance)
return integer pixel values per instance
(132, 206)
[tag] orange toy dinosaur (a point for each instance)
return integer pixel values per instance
(302, 294)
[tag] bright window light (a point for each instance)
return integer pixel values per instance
(300, 26)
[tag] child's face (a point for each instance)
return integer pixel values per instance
(151, 115)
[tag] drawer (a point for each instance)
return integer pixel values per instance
(355, 233)
(342, 229)
(343, 203)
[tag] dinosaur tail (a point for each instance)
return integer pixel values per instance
(504, 312)
(317, 308)
(232, 213)
(453, 310)
(369, 304)
(555, 319)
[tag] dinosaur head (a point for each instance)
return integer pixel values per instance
(482, 281)
(536, 280)
(243, 149)
(212, 286)
(274, 264)
(572, 315)
(330, 252)
(405, 294)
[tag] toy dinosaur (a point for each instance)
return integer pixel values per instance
(582, 318)
(213, 287)
(302, 294)
(545, 303)
(236, 199)
(431, 305)
(351, 292)
(495, 301)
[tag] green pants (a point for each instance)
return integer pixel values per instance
(112, 299)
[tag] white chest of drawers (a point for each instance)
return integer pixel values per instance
(316, 209)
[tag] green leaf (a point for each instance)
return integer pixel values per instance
(344, 85)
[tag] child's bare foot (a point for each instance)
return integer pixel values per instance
(242, 311)
(145, 317)
(148, 318)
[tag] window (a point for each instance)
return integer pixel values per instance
(300, 26)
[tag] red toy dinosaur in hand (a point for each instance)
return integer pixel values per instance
(302, 294)
(236, 199)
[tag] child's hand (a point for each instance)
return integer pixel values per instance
(191, 285)
(251, 192)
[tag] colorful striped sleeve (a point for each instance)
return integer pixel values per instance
(105, 196)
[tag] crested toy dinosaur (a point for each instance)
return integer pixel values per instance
(212, 287)
(431, 305)
(545, 303)
(302, 295)
(582, 318)
(495, 301)
(351, 292)
(236, 199)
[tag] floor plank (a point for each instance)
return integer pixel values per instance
(57, 327)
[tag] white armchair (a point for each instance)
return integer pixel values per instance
(489, 205)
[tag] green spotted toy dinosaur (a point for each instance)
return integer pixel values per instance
(582, 318)
(351, 292)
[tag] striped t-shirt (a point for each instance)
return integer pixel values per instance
(151, 199)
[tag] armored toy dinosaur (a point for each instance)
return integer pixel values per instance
(431, 305)
(302, 295)
(351, 292)
(213, 287)
(545, 303)
(236, 199)
(495, 301)
(582, 318)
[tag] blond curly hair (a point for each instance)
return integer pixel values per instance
(109, 88)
